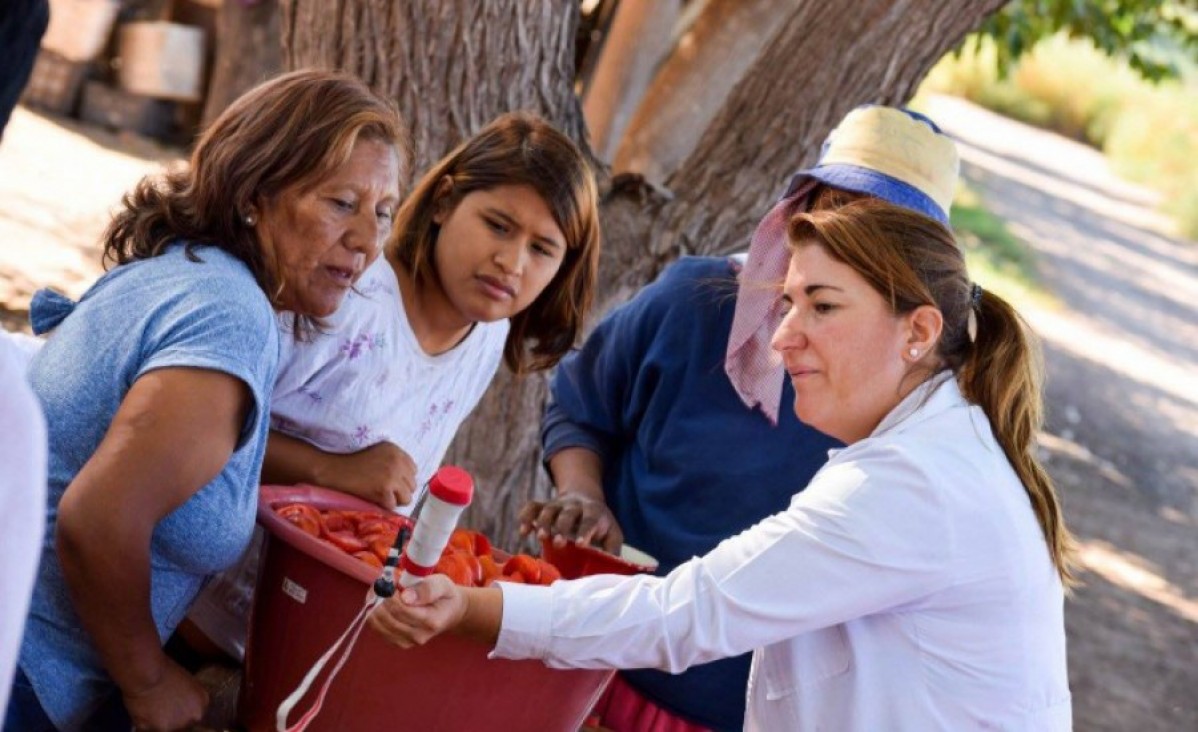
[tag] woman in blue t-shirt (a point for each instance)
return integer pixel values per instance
(156, 386)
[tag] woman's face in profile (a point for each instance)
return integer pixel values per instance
(841, 345)
(319, 241)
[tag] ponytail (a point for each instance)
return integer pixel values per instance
(1002, 372)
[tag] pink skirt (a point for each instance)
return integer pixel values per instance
(623, 709)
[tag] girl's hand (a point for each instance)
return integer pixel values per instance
(382, 473)
(418, 614)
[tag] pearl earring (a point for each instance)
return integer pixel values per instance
(914, 353)
(249, 219)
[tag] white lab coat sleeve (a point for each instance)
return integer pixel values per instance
(870, 533)
(22, 500)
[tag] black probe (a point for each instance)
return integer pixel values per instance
(384, 586)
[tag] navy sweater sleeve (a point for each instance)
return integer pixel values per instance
(598, 393)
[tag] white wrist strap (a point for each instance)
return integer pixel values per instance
(351, 633)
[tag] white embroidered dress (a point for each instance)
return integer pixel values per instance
(365, 379)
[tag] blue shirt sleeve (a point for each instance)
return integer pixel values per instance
(593, 394)
(217, 327)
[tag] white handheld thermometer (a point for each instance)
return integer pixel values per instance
(449, 492)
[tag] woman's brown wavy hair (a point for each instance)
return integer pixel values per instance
(516, 149)
(289, 132)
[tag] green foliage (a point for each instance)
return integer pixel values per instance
(1051, 87)
(1151, 34)
(1148, 130)
(1156, 142)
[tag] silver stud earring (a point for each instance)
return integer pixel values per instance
(249, 219)
(914, 353)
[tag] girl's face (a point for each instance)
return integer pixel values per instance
(497, 251)
(842, 346)
(318, 241)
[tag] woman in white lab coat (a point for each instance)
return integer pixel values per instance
(916, 584)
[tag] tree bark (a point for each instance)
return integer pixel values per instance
(454, 65)
(825, 59)
(451, 65)
(724, 39)
(247, 52)
(638, 40)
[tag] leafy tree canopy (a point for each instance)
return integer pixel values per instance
(1155, 36)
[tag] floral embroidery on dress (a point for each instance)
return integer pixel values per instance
(366, 289)
(362, 436)
(361, 344)
(432, 417)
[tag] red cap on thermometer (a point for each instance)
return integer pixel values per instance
(449, 492)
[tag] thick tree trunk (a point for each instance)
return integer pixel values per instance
(247, 52)
(454, 65)
(639, 38)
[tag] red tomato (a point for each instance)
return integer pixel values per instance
(470, 541)
(476, 569)
(482, 545)
(369, 536)
(382, 536)
(453, 565)
(369, 523)
(524, 566)
(303, 516)
(337, 521)
(462, 540)
(370, 559)
(346, 542)
(490, 569)
(549, 573)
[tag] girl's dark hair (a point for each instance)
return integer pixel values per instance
(291, 131)
(516, 149)
(911, 261)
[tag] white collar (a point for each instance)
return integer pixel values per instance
(938, 393)
(933, 396)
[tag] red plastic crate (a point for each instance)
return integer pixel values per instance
(308, 592)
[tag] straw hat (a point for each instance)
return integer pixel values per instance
(894, 154)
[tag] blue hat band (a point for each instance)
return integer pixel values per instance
(871, 183)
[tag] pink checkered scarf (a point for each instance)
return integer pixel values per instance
(754, 368)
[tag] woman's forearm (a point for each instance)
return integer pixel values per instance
(483, 616)
(578, 470)
(137, 476)
(107, 570)
(290, 460)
